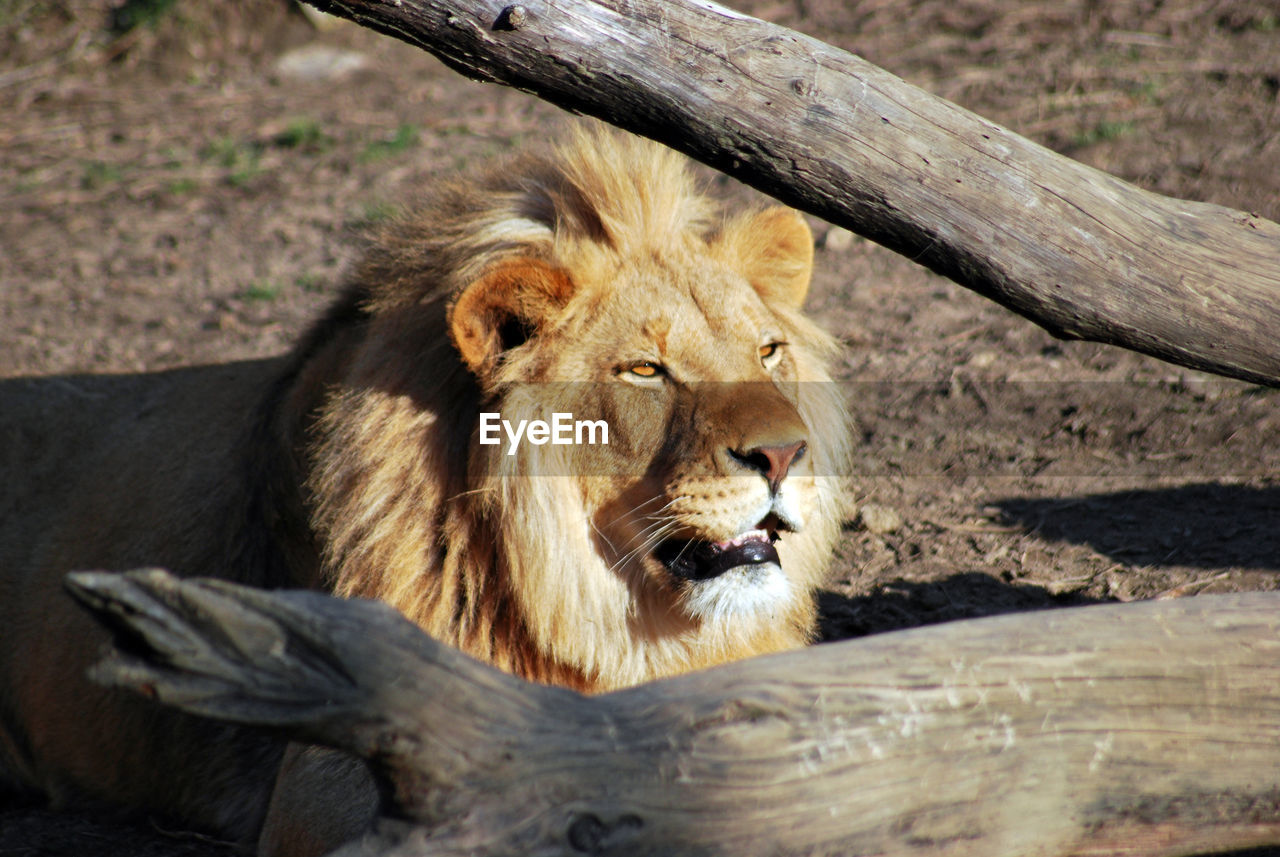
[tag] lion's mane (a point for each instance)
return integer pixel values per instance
(481, 551)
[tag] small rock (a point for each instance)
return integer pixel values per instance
(983, 360)
(879, 519)
(838, 239)
(316, 62)
(1036, 560)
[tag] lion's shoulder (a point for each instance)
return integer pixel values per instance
(110, 471)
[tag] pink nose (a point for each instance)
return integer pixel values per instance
(772, 462)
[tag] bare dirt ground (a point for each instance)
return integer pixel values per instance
(187, 191)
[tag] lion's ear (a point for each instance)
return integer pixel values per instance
(504, 308)
(773, 248)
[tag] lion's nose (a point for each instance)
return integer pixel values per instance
(772, 462)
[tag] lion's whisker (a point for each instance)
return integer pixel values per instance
(627, 514)
(599, 532)
(634, 510)
(652, 534)
(650, 538)
(658, 514)
(647, 534)
(680, 555)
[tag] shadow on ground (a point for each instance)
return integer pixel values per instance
(902, 604)
(1207, 525)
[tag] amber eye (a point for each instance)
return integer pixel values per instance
(769, 351)
(645, 370)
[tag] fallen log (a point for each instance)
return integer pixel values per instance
(1080, 252)
(1138, 729)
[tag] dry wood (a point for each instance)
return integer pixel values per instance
(1149, 728)
(1079, 252)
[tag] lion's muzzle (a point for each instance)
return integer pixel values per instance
(702, 560)
(773, 462)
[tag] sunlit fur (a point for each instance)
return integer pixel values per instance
(550, 577)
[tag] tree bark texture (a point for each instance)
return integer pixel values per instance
(1078, 251)
(1149, 728)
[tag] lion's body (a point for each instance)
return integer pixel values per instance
(119, 472)
(593, 282)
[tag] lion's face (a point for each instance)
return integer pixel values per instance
(700, 378)
(724, 438)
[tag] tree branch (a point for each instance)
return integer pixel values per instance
(1079, 252)
(1147, 728)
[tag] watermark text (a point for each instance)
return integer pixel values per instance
(562, 430)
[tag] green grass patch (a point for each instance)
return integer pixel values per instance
(1149, 91)
(400, 141)
(180, 187)
(99, 174)
(373, 213)
(304, 134)
(241, 159)
(1102, 132)
(311, 283)
(139, 13)
(261, 291)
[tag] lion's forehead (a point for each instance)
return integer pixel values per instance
(701, 309)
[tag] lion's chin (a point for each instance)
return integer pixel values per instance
(747, 591)
(730, 580)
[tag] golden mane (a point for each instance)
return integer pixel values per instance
(479, 552)
(597, 191)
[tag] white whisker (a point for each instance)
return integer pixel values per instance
(635, 510)
(599, 532)
(649, 538)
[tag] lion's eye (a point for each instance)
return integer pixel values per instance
(769, 351)
(645, 370)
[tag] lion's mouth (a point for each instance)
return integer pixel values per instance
(695, 559)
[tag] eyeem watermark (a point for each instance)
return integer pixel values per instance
(950, 427)
(563, 430)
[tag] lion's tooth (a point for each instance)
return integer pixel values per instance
(749, 536)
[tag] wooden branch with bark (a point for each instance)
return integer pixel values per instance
(1082, 253)
(1141, 729)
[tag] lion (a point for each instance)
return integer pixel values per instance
(416, 447)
